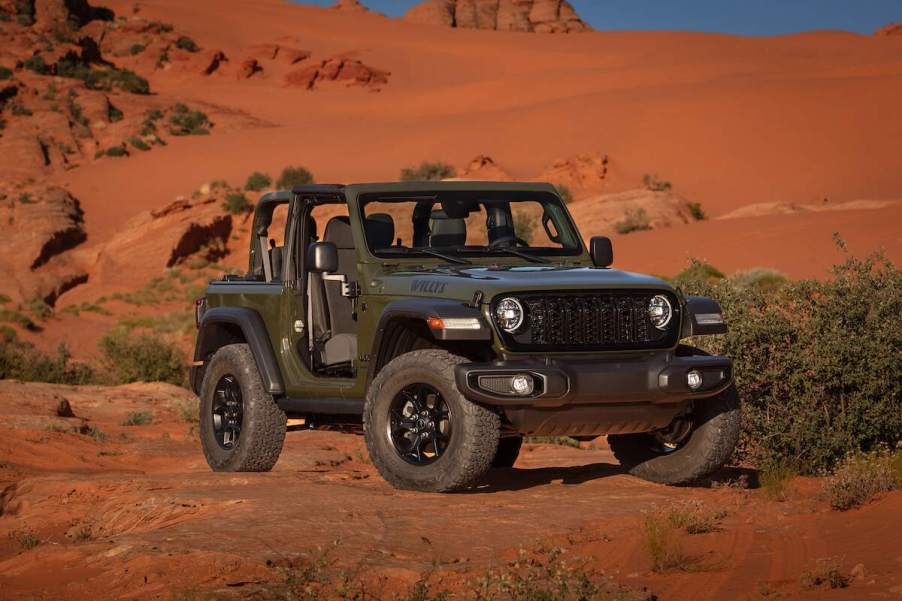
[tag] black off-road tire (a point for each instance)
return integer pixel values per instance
(263, 423)
(474, 429)
(713, 438)
(508, 451)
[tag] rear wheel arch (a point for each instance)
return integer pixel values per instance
(222, 326)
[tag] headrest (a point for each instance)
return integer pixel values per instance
(446, 232)
(380, 230)
(338, 232)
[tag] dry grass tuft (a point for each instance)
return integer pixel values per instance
(826, 573)
(861, 478)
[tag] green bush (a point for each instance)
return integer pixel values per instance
(136, 49)
(861, 478)
(257, 181)
(130, 356)
(634, 221)
(428, 172)
(5, 73)
(651, 182)
(236, 203)
(115, 114)
(186, 122)
(564, 192)
(695, 209)
(121, 79)
(186, 43)
(816, 363)
(294, 176)
(37, 64)
(139, 143)
(759, 278)
(21, 361)
(116, 151)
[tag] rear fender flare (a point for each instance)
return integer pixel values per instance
(214, 332)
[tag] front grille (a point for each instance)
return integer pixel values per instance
(609, 320)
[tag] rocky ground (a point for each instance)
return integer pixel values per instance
(91, 505)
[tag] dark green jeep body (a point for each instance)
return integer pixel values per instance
(547, 338)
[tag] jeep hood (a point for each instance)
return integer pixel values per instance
(463, 282)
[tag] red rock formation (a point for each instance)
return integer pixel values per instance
(40, 224)
(888, 30)
(350, 6)
(350, 71)
(583, 174)
(543, 16)
(484, 168)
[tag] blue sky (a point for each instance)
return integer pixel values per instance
(760, 17)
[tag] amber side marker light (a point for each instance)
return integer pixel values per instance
(454, 323)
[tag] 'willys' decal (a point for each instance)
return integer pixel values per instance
(428, 286)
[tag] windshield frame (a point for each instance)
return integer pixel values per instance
(475, 255)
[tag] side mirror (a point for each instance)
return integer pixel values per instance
(322, 257)
(601, 250)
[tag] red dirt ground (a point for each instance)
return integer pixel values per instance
(140, 515)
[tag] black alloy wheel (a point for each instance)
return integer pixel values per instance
(227, 412)
(419, 425)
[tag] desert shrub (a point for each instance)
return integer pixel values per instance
(633, 221)
(760, 278)
(137, 49)
(697, 272)
(76, 111)
(257, 181)
(130, 356)
(21, 361)
(696, 211)
(186, 122)
(116, 151)
(36, 64)
(427, 171)
(120, 79)
(294, 176)
(139, 143)
(562, 441)
(651, 182)
(25, 538)
(816, 363)
(137, 418)
(114, 114)
(5, 73)
(564, 192)
(694, 517)
(236, 203)
(187, 44)
(827, 572)
(25, 198)
(663, 543)
(861, 477)
(19, 109)
(774, 479)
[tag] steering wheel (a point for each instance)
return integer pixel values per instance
(506, 240)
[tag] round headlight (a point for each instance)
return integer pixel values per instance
(659, 311)
(509, 314)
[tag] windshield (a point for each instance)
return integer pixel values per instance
(467, 224)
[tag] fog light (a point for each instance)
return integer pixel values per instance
(694, 380)
(522, 385)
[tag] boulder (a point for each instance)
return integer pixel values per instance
(600, 215)
(154, 240)
(353, 6)
(888, 30)
(338, 69)
(543, 16)
(41, 224)
(22, 154)
(484, 168)
(584, 174)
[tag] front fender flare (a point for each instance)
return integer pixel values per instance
(211, 336)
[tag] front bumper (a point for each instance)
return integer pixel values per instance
(653, 378)
(591, 397)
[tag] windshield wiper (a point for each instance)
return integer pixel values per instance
(518, 253)
(426, 251)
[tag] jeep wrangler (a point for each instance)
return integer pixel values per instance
(448, 320)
